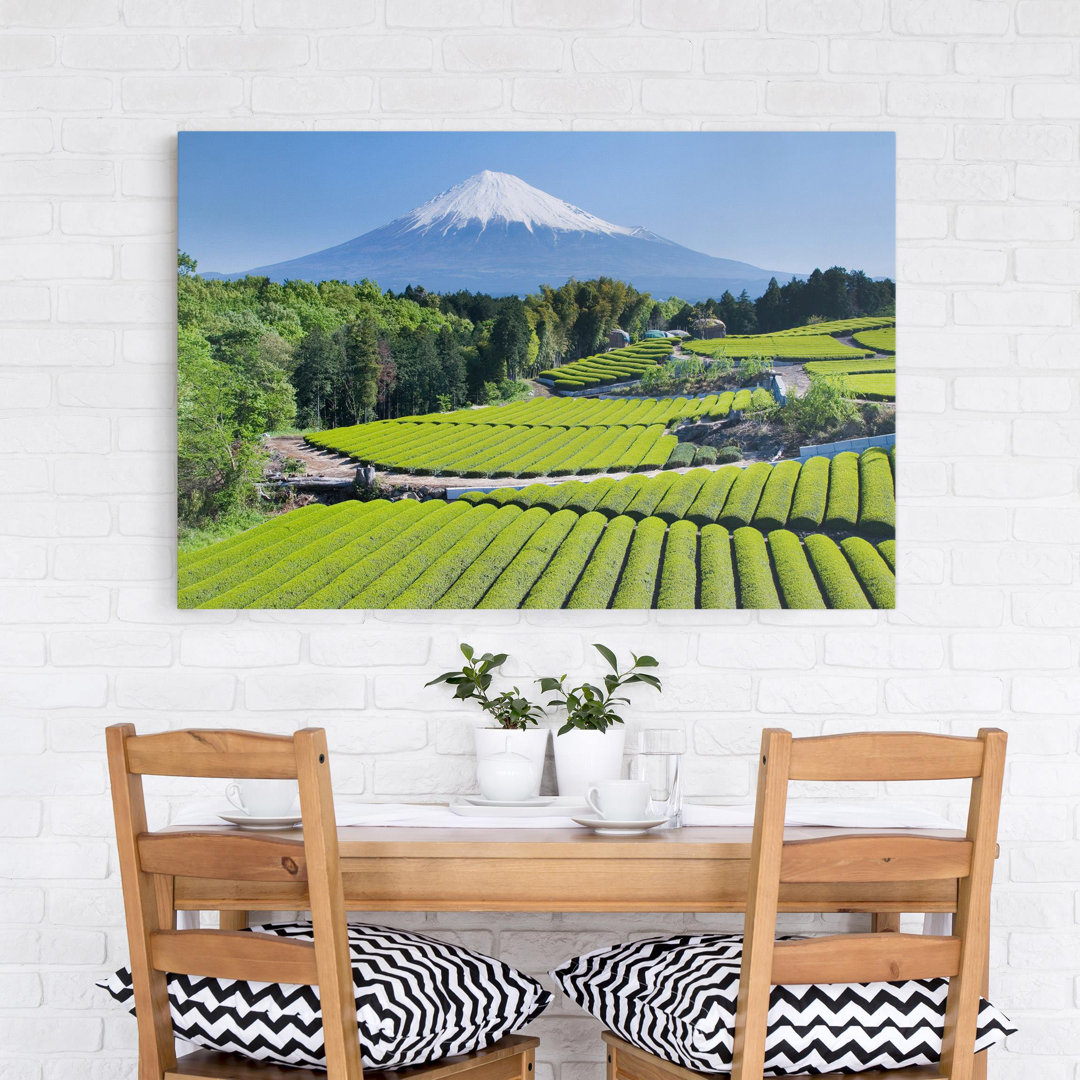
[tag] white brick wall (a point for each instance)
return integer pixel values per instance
(983, 96)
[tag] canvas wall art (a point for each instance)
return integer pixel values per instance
(536, 370)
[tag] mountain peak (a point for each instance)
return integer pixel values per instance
(496, 197)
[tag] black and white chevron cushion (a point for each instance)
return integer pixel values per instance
(418, 1000)
(676, 998)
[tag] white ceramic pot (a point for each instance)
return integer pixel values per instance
(531, 744)
(584, 758)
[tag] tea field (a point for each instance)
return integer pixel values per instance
(617, 365)
(455, 555)
(541, 437)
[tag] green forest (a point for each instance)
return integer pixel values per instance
(255, 356)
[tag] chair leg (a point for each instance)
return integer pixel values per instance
(528, 1064)
(611, 1064)
(882, 921)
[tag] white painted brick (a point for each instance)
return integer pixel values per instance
(866, 651)
(1051, 266)
(64, 14)
(1010, 480)
(19, 648)
(969, 183)
(961, 17)
(997, 652)
(1046, 101)
(920, 222)
(228, 648)
(258, 52)
(943, 694)
(1046, 695)
(128, 218)
(42, 435)
(1041, 436)
(946, 100)
(120, 51)
(952, 265)
(175, 691)
(521, 52)
(440, 14)
(778, 56)
(25, 137)
(24, 303)
(433, 776)
(112, 304)
(615, 54)
(1045, 525)
(1049, 350)
(1014, 142)
(117, 388)
(1053, 17)
(21, 905)
(817, 694)
(1048, 182)
(111, 648)
(81, 1034)
(304, 691)
(697, 96)
(60, 93)
(963, 607)
(23, 51)
(183, 94)
(821, 17)
(813, 98)
(116, 474)
(346, 647)
(1013, 59)
(564, 95)
(776, 649)
(569, 14)
(38, 348)
(861, 56)
(66, 176)
(1030, 308)
(389, 52)
(1047, 608)
(25, 219)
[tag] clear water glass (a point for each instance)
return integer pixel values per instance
(658, 763)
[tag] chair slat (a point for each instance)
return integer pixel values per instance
(889, 755)
(242, 755)
(862, 958)
(224, 954)
(885, 857)
(210, 855)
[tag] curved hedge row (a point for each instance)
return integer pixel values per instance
(460, 555)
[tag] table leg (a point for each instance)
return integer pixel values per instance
(882, 921)
(233, 920)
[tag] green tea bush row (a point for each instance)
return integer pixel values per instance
(325, 570)
(680, 495)
(811, 492)
(797, 585)
(514, 583)
(469, 589)
(873, 387)
(741, 401)
(649, 495)
(394, 577)
(426, 591)
(679, 574)
(251, 587)
(756, 586)
(876, 577)
(359, 575)
(638, 582)
(717, 572)
(709, 502)
(877, 501)
(658, 456)
(839, 585)
(887, 550)
(774, 507)
(555, 584)
(236, 566)
(842, 507)
(596, 585)
(882, 340)
(682, 455)
(745, 494)
(705, 455)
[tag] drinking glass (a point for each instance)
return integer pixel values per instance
(658, 763)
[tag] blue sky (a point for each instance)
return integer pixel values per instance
(780, 200)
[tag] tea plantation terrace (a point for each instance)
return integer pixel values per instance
(541, 437)
(455, 555)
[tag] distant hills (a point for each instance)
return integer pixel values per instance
(495, 233)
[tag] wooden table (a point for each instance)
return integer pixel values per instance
(689, 869)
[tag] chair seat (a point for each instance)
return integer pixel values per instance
(214, 1065)
(633, 1063)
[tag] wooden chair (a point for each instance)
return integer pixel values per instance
(883, 956)
(150, 862)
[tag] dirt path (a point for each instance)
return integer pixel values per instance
(317, 462)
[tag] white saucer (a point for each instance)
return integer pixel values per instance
(607, 827)
(535, 800)
(245, 821)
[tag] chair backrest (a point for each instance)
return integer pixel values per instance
(892, 856)
(150, 862)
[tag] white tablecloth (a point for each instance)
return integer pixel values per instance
(849, 813)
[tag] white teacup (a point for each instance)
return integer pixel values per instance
(619, 800)
(263, 798)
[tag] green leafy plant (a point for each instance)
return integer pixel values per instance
(590, 708)
(508, 709)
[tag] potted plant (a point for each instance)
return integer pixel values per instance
(589, 746)
(512, 725)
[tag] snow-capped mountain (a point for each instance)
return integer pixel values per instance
(495, 233)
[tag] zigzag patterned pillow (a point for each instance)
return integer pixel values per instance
(676, 997)
(418, 1000)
